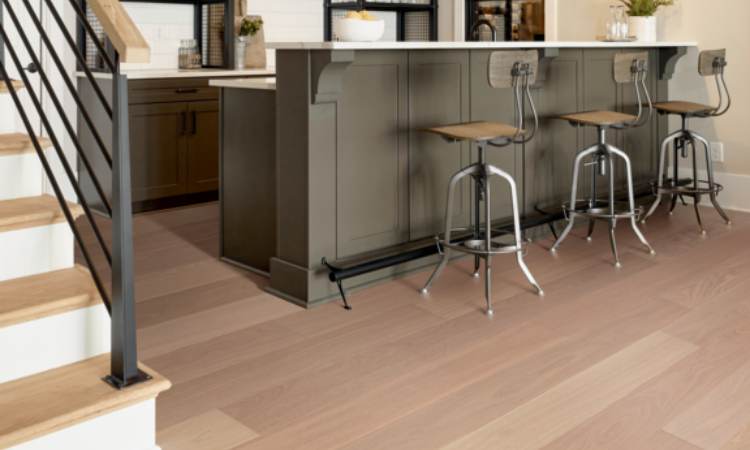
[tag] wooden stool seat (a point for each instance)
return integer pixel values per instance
(599, 118)
(678, 107)
(476, 131)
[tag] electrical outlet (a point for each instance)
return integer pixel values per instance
(717, 152)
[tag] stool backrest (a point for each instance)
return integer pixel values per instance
(713, 63)
(630, 66)
(516, 69)
(504, 63)
(633, 68)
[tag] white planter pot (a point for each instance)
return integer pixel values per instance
(643, 28)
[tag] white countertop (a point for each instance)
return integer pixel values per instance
(467, 45)
(266, 84)
(146, 74)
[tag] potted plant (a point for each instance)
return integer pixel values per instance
(250, 47)
(641, 17)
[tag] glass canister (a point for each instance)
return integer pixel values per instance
(189, 55)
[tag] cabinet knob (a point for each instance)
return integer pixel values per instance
(186, 90)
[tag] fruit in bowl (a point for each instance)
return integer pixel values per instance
(360, 26)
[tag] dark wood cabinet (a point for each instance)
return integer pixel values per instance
(201, 147)
(174, 141)
(174, 148)
(157, 147)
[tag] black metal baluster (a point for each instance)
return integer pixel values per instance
(58, 105)
(84, 113)
(52, 135)
(53, 182)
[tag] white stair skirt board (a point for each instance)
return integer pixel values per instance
(21, 176)
(31, 251)
(53, 341)
(130, 428)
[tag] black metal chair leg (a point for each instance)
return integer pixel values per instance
(551, 226)
(343, 296)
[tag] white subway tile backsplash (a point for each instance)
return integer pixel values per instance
(164, 26)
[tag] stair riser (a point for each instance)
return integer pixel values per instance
(31, 251)
(131, 428)
(21, 176)
(47, 343)
(8, 112)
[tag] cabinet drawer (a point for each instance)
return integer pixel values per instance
(173, 94)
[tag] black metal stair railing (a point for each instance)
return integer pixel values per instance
(120, 298)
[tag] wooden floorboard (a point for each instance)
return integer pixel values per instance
(651, 356)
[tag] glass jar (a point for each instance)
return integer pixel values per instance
(612, 24)
(189, 55)
(239, 52)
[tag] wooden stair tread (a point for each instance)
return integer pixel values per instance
(31, 212)
(17, 84)
(29, 298)
(47, 402)
(17, 143)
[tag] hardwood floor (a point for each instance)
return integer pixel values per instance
(652, 356)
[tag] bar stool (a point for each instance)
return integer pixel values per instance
(628, 68)
(507, 69)
(711, 63)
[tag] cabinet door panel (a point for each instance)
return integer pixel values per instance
(439, 95)
(203, 147)
(156, 141)
(372, 200)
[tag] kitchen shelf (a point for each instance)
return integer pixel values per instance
(402, 9)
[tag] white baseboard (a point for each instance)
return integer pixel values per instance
(21, 176)
(31, 251)
(130, 428)
(54, 341)
(736, 193)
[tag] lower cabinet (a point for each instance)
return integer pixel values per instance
(174, 148)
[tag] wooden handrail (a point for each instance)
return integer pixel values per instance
(121, 31)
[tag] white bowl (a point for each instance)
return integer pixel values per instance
(355, 30)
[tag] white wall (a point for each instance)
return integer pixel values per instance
(163, 26)
(718, 25)
(7, 108)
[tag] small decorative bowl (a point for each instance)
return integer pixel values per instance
(355, 30)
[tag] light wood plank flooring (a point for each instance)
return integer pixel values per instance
(652, 356)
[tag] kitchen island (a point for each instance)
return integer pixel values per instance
(356, 179)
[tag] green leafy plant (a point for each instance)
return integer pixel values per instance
(645, 7)
(250, 27)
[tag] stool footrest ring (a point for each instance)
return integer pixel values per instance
(479, 247)
(704, 188)
(601, 210)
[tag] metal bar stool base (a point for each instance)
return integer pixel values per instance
(603, 155)
(481, 245)
(680, 141)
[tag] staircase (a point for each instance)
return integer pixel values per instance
(69, 373)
